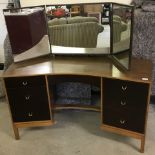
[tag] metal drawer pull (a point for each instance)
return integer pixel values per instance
(123, 103)
(124, 88)
(24, 83)
(30, 114)
(27, 97)
(122, 121)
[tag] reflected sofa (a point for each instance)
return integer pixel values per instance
(118, 27)
(74, 31)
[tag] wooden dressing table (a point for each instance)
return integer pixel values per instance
(125, 95)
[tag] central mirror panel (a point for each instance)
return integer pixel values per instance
(79, 28)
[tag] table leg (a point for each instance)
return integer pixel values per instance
(142, 144)
(16, 132)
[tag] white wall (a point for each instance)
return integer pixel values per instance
(3, 4)
(42, 2)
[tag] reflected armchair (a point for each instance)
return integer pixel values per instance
(118, 27)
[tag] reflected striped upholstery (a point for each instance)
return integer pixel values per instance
(118, 27)
(77, 32)
(74, 35)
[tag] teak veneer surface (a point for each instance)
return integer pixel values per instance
(93, 66)
(96, 67)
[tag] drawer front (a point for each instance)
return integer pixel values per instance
(130, 120)
(119, 92)
(26, 114)
(25, 82)
(125, 104)
(29, 95)
(29, 104)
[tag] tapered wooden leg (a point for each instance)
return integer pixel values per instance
(142, 144)
(16, 132)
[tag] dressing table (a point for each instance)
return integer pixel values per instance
(124, 95)
(123, 82)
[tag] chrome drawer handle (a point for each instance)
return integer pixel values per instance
(124, 88)
(24, 83)
(27, 97)
(30, 114)
(123, 103)
(122, 121)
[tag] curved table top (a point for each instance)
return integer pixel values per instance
(141, 70)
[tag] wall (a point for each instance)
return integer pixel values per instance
(3, 4)
(40, 2)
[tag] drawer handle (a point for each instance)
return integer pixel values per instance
(24, 83)
(124, 88)
(123, 103)
(30, 114)
(27, 97)
(122, 121)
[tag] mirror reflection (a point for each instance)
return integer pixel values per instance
(85, 29)
(84, 26)
(122, 26)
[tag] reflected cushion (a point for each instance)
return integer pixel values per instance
(57, 21)
(79, 19)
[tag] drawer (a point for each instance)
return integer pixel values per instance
(29, 95)
(117, 91)
(25, 82)
(25, 113)
(27, 102)
(124, 103)
(130, 120)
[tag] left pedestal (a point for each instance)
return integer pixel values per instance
(29, 102)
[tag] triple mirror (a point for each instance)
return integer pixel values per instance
(76, 29)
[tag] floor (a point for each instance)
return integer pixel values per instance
(103, 39)
(75, 133)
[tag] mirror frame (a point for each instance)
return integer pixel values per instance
(113, 57)
(111, 54)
